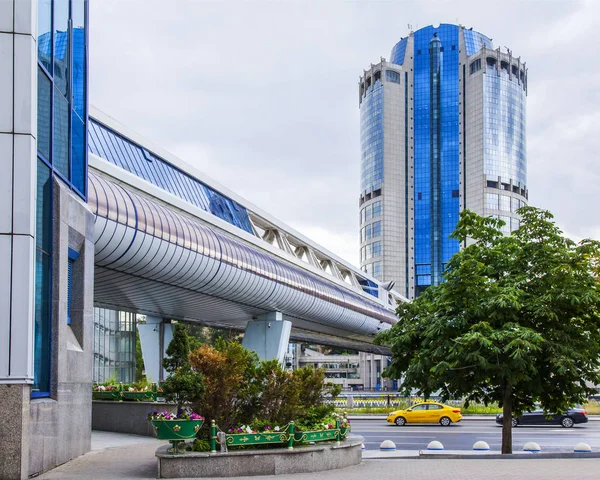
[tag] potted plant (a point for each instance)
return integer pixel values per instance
(140, 393)
(176, 427)
(344, 425)
(106, 392)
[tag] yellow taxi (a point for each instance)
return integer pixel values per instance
(426, 412)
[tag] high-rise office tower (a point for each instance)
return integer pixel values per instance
(442, 128)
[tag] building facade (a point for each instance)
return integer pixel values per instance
(46, 236)
(442, 128)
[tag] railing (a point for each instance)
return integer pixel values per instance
(286, 436)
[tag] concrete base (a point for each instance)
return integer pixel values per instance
(126, 417)
(14, 431)
(280, 461)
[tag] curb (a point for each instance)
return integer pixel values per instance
(421, 455)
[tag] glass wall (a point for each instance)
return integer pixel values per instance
(436, 159)
(474, 41)
(120, 151)
(61, 147)
(371, 139)
(504, 123)
(114, 346)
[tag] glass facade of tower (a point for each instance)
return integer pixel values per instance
(61, 147)
(371, 138)
(464, 146)
(436, 159)
(504, 122)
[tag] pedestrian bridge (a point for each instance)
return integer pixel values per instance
(172, 243)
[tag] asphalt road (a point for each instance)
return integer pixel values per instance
(462, 436)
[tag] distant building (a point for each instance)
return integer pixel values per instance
(360, 371)
(442, 128)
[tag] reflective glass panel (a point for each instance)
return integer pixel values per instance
(45, 34)
(78, 16)
(43, 236)
(44, 114)
(60, 147)
(61, 45)
(78, 153)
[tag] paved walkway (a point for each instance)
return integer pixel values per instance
(122, 457)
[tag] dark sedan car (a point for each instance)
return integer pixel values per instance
(537, 417)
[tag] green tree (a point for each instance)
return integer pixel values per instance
(516, 321)
(139, 359)
(184, 385)
(231, 394)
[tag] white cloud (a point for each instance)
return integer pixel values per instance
(262, 96)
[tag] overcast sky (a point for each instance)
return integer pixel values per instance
(262, 96)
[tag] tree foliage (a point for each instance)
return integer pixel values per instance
(516, 321)
(231, 390)
(184, 384)
(240, 389)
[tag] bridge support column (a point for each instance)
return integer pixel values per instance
(155, 336)
(268, 336)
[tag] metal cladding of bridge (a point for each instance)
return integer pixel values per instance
(173, 244)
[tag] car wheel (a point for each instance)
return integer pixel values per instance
(514, 422)
(445, 421)
(400, 421)
(567, 422)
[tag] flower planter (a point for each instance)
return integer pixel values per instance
(316, 435)
(344, 431)
(106, 395)
(176, 430)
(236, 439)
(148, 396)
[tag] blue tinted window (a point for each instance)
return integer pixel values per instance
(474, 41)
(45, 34)
(79, 74)
(436, 100)
(371, 139)
(42, 334)
(78, 153)
(44, 114)
(398, 52)
(60, 146)
(61, 45)
(133, 158)
(392, 76)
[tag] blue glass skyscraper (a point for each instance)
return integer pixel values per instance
(442, 129)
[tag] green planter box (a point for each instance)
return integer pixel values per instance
(236, 439)
(344, 431)
(175, 430)
(148, 396)
(316, 436)
(111, 395)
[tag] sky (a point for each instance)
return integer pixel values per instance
(262, 96)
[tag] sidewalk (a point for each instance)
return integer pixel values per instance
(123, 457)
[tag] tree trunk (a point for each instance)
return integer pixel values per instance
(507, 419)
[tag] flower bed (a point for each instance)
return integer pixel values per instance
(246, 435)
(126, 392)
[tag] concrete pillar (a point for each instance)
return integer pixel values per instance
(155, 336)
(18, 130)
(268, 336)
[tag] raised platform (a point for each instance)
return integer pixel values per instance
(275, 461)
(126, 417)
